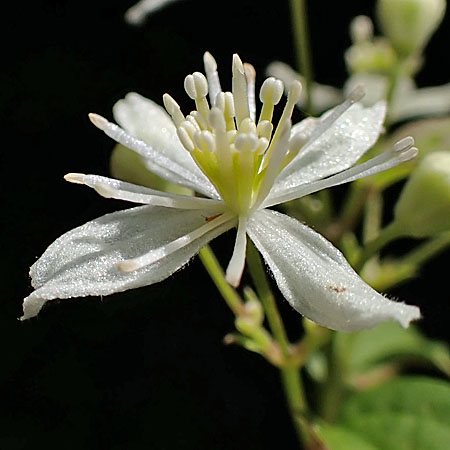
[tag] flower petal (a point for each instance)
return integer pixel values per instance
(317, 280)
(84, 261)
(149, 122)
(338, 148)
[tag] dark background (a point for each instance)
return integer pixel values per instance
(145, 368)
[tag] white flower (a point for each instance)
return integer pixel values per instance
(242, 165)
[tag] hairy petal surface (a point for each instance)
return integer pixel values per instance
(84, 261)
(336, 149)
(149, 122)
(317, 280)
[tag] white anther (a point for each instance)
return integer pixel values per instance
(297, 142)
(77, 178)
(240, 90)
(295, 91)
(408, 154)
(231, 136)
(225, 102)
(196, 85)
(271, 91)
(212, 76)
(246, 142)
(99, 121)
(185, 138)
(217, 119)
(193, 122)
(404, 144)
(264, 129)
(357, 94)
(248, 126)
(204, 140)
(173, 109)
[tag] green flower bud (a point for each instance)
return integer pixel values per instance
(409, 24)
(376, 56)
(423, 208)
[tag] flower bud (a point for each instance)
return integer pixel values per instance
(409, 24)
(423, 208)
(376, 56)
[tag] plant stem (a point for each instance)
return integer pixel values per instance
(427, 250)
(290, 376)
(386, 235)
(302, 46)
(212, 266)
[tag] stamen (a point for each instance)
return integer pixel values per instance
(173, 108)
(270, 95)
(121, 190)
(204, 141)
(212, 76)
(293, 97)
(196, 86)
(278, 152)
(157, 254)
(237, 262)
(239, 89)
(403, 151)
(250, 75)
(248, 126)
(264, 129)
(201, 120)
(246, 142)
(225, 102)
(185, 138)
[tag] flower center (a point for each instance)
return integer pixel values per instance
(240, 155)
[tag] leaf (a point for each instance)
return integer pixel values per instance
(340, 438)
(408, 413)
(389, 342)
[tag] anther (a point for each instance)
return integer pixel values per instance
(264, 129)
(99, 121)
(77, 178)
(196, 85)
(173, 109)
(239, 89)
(185, 139)
(212, 76)
(204, 141)
(248, 126)
(200, 119)
(404, 144)
(225, 102)
(217, 119)
(246, 142)
(270, 95)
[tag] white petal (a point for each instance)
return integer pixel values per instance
(121, 190)
(84, 261)
(317, 280)
(336, 149)
(149, 122)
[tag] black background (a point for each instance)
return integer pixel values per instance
(146, 368)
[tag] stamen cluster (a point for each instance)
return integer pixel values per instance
(240, 155)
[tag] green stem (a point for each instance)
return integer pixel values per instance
(290, 376)
(388, 234)
(427, 250)
(212, 266)
(302, 46)
(392, 87)
(265, 294)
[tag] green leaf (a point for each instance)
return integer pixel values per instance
(389, 342)
(340, 438)
(408, 413)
